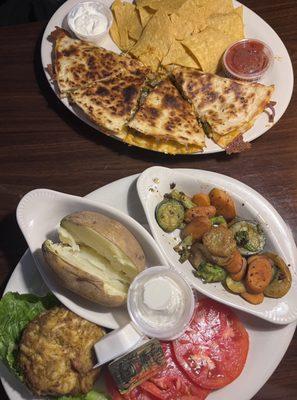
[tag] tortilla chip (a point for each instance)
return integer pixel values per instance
(152, 4)
(231, 24)
(178, 55)
(155, 40)
(169, 6)
(114, 33)
(128, 23)
(190, 17)
(145, 15)
(239, 11)
(208, 47)
(216, 6)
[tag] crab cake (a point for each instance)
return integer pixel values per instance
(56, 353)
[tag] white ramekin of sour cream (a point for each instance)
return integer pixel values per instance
(90, 21)
(160, 304)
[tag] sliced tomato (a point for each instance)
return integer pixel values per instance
(171, 383)
(213, 350)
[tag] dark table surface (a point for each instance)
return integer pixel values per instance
(42, 144)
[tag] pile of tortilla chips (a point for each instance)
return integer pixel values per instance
(190, 33)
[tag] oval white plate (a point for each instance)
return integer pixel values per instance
(268, 342)
(281, 74)
(39, 214)
(155, 182)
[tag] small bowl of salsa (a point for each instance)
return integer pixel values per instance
(247, 59)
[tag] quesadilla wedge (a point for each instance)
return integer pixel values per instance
(166, 122)
(79, 64)
(226, 108)
(110, 103)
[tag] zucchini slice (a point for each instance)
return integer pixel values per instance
(282, 279)
(235, 286)
(249, 236)
(170, 214)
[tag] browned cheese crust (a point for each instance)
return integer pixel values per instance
(167, 116)
(79, 64)
(229, 107)
(110, 104)
(56, 353)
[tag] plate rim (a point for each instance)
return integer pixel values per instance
(216, 148)
(289, 329)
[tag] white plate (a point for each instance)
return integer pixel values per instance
(281, 73)
(155, 182)
(268, 342)
(39, 214)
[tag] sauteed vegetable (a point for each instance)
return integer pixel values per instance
(221, 246)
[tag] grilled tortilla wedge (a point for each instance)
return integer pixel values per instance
(227, 108)
(79, 64)
(110, 103)
(166, 122)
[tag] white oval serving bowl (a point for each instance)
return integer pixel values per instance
(39, 214)
(154, 182)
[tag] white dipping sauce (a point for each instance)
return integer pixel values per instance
(160, 303)
(88, 21)
(157, 293)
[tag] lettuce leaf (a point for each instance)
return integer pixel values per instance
(92, 395)
(16, 311)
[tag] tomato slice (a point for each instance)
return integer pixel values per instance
(134, 394)
(213, 350)
(171, 383)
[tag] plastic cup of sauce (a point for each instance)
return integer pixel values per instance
(160, 304)
(247, 59)
(90, 21)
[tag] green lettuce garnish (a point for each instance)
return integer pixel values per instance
(16, 311)
(92, 395)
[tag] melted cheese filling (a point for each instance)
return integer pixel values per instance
(169, 146)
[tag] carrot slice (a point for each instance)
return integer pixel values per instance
(223, 202)
(253, 298)
(235, 264)
(200, 211)
(259, 275)
(197, 228)
(201, 199)
(240, 275)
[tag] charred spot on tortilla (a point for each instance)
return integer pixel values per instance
(227, 108)
(78, 63)
(165, 116)
(110, 103)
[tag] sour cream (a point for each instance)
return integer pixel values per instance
(90, 20)
(160, 303)
(87, 21)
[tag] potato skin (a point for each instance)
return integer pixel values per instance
(111, 230)
(80, 282)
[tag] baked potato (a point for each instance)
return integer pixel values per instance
(97, 257)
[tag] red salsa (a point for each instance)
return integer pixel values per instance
(248, 58)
